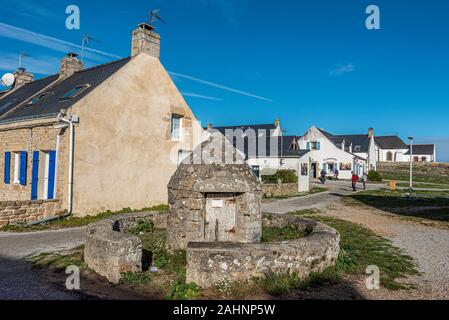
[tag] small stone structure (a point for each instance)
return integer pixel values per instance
(109, 251)
(14, 212)
(211, 263)
(214, 197)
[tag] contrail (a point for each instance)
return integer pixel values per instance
(219, 86)
(42, 40)
(199, 96)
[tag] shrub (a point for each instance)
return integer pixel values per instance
(286, 176)
(374, 176)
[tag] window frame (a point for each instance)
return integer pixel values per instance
(77, 90)
(172, 127)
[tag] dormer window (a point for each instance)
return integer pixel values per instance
(74, 92)
(40, 97)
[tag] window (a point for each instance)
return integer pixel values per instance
(6, 105)
(40, 97)
(256, 170)
(389, 156)
(183, 155)
(176, 127)
(74, 92)
(313, 145)
(20, 168)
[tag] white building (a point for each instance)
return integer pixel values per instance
(422, 153)
(345, 153)
(393, 149)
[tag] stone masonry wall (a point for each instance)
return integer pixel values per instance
(32, 136)
(14, 212)
(279, 189)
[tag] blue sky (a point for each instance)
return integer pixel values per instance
(251, 61)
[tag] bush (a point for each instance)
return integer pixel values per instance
(286, 176)
(374, 176)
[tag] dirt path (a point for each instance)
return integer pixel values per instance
(428, 245)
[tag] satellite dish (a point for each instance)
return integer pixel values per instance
(8, 79)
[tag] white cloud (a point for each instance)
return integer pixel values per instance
(219, 86)
(342, 69)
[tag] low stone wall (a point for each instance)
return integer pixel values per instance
(210, 263)
(109, 251)
(15, 212)
(279, 189)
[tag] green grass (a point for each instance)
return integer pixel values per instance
(417, 177)
(74, 222)
(59, 262)
(423, 185)
(275, 234)
(135, 278)
(360, 248)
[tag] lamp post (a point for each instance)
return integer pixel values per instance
(411, 166)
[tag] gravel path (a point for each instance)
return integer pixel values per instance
(17, 280)
(429, 246)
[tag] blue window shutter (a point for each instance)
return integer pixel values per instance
(35, 175)
(318, 145)
(308, 145)
(23, 167)
(51, 175)
(7, 168)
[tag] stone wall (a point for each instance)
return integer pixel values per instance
(14, 212)
(109, 251)
(210, 263)
(279, 189)
(30, 136)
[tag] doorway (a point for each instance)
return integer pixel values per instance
(220, 222)
(314, 169)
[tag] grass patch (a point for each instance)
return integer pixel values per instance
(135, 278)
(74, 222)
(275, 234)
(361, 248)
(59, 262)
(417, 177)
(306, 212)
(278, 285)
(423, 185)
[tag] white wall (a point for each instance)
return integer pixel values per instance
(398, 155)
(329, 151)
(272, 164)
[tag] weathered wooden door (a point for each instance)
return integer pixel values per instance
(220, 224)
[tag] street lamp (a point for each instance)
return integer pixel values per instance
(411, 166)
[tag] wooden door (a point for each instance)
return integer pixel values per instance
(220, 224)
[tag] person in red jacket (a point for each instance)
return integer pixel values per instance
(355, 178)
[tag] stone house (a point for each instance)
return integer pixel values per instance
(86, 141)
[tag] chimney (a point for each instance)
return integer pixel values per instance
(146, 40)
(370, 132)
(22, 78)
(277, 123)
(209, 126)
(69, 65)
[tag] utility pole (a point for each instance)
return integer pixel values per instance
(411, 167)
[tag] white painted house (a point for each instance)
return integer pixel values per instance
(345, 153)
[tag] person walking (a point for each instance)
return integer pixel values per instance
(323, 176)
(336, 174)
(364, 180)
(355, 178)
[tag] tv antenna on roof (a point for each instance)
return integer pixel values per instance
(154, 15)
(22, 55)
(86, 40)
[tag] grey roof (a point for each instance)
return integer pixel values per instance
(52, 104)
(360, 142)
(258, 128)
(390, 142)
(422, 149)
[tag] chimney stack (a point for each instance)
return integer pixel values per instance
(69, 65)
(22, 78)
(146, 40)
(370, 132)
(277, 123)
(209, 126)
